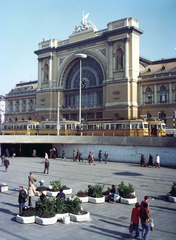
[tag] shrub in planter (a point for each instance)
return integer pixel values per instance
(56, 185)
(45, 208)
(73, 205)
(126, 191)
(41, 188)
(173, 190)
(107, 191)
(60, 206)
(82, 194)
(28, 212)
(96, 191)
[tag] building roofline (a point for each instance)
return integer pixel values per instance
(26, 83)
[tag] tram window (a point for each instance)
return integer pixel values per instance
(62, 127)
(112, 126)
(24, 126)
(90, 127)
(68, 126)
(102, 126)
(8, 126)
(73, 126)
(107, 126)
(52, 127)
(163, 126)
(47, 126)
(140, 125)
(97, 126)
(118, 126)
(133, 126)
(14, 127)
(37, 126)
(85, 127)
(145, 125)
(128, 126)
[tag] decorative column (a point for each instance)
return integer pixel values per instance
(110, 61)
(50, 71)
(39, 73)
(155, 94)
(126, 62)
(170, 93)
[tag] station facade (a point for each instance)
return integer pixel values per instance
(116, 82)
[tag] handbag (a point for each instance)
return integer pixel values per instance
(130, 227)
(151, 224)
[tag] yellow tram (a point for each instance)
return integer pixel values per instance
(23, 127)
(157, 128)
(115, 128)
(66, 128)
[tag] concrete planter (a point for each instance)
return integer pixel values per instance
(80, 218)
(128, 200)
(84, 199)
(60, 216)
(37, 193)
(97, 200)
(21, 219)
(172, 199)
(67, 191)
(46, 221)
(168, 194)
(52, 194)
(117, 198)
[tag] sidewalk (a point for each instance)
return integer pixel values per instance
(108, 221)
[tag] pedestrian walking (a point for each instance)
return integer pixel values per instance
(146, 199)
(31, 193)
(74, 156)
(144, 161)
(77, 154)
(6, 163)
(135, 215)
(80, 156)
(46, 166)
(46, 155)
(157, 161)
(106, 157)
(32, 178)
(2, 159)
(7, 153)
(145, 217)
(100, 155)
(13, 153)
(141, 161)
(63, 155)
(150, 161)
(34, 153)
(22, 198)
(90, 157)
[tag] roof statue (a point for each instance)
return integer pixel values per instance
(84, 25)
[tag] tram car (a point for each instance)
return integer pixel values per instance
(115, 128)
(157, 128)
(66, 128)
(22, 127)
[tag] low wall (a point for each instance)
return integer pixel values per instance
(122, 149)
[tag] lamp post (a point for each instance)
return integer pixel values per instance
(80, 56)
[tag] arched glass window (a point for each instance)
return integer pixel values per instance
(17, 106)
(163, 94)
(149, 116)
(162, 116)
(148, 95)
(31, 105)
(119, 64)
(11, 106)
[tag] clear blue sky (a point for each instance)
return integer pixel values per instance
(24, 23)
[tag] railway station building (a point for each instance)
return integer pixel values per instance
(116, 82)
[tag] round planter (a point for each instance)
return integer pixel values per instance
(52, 194)
(168, 194)
(84, 199)
(66, 219)
(172, 199)
(37, 193)
(80, 218)
(128, 200)
(21, 219)
(117, 198)
(60, 216)
(67, 191)
(46, 221)
(97, 200)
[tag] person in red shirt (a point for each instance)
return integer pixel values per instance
(146, 198)
(135, 220)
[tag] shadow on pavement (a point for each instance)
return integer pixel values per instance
(128, 174)
(7, 211)
(10, 204)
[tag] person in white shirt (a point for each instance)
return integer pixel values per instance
(157, 161)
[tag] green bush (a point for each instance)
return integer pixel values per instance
(60, 206)
(173, 190)
(45, 208)
(95, 191)
(82, 194)
(126, 191)
(56, 185)
(73, 205)
(28, 212)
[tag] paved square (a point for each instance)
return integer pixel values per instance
(108, 221)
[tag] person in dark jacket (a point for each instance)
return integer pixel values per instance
(42, 195)
(80, 156)
(22, 198)
(150, 162)
(6, 164)
(46, 166)
(63, 155)
(61, 194)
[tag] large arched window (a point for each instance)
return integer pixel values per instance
(163, 94)
(31, 105)
(92, 79)
(116, 116)
(148, 95)
(24, 105)
(17, 106)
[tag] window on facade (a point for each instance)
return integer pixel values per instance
(11, 106)
(119, 62)
(30, 118)
(31, 105)
(24, 105)
(163, 94)
(162, 116)
(17, 106)
(149, 116)
(175, 94)
(148, 95)
(42, 118)
(116, 116)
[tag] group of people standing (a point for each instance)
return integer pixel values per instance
(150, 161)
(141, 211)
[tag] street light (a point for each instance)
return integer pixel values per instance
(80, 56)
